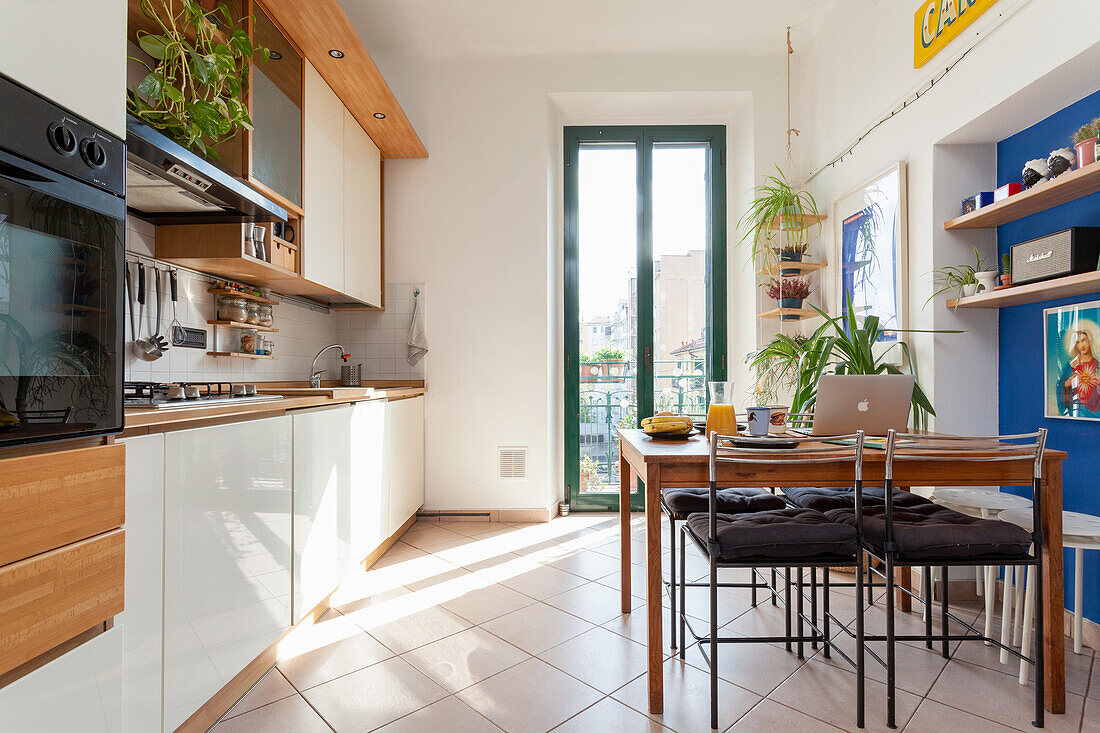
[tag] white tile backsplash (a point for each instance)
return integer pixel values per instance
(375, 339)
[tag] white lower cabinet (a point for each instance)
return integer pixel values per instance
(79, 691)
(404, 459)
(142, 620)
(322, 468)
(227, 555)
(366, 521)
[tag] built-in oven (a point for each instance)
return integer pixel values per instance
(62, 230)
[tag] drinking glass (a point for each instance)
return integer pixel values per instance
(721, 415)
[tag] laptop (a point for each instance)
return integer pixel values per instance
(873, 403)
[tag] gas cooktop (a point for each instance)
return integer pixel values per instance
(166, 396)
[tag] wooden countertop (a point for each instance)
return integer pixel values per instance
(144, 421)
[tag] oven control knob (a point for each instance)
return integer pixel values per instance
(93, 153)
(61, 138)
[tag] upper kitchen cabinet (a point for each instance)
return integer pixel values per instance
(90, 76)
(362, 215)
(323, 242)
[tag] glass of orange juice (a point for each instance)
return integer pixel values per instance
(722, 414)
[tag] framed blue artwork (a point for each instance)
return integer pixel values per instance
(871, 242)
(1071, 373)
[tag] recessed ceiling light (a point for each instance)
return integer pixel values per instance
(275, 55)
(336, 53)
(380, 115)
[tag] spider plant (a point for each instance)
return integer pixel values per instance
(777, 201)
(957, 277)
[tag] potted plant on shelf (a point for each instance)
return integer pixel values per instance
(197, 83)
(789, 293)
(778, 220)
(1006, 270)
(961, 278)
(607, 364)
(1084, 142)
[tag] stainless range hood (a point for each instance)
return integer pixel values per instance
(168, 184)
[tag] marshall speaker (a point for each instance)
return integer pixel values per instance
(1070, 252)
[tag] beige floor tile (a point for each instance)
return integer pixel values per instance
(465, 658)
(542, 581)
(416, 569)
(599, 658)
(999, 697)
(531, 697)
(828, 693)
(1090, 723)
(592, 602)
(289, 715)
(759, 668)
(731, 604)
(771, 716)
(1077, 667)
(610, 716)
(479, 605)
(916, 669)
(273, 686)
(408, 622)
(400, 552)
(429, 535)
(633, 626)
(687, 699)
(585, 563)
(372, 697)
(1094, 685)
(933, 717)
(449, 714)
(330, 649)
(536, 628)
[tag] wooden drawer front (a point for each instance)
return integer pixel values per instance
(52, 499)
(48, 599)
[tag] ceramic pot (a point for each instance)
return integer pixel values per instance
(965, 291)
(1006, 279)
(1086, 152)
(795, 303)
(986, 280)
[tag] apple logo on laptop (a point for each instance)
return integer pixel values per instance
(864, 406)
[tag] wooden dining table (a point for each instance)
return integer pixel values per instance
(684, 464)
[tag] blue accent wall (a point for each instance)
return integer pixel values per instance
(1021, 336)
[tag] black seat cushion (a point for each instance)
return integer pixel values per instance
(682, 502)
(826, 498)
(778, 534)
(931, 531)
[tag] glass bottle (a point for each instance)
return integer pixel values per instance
(722, 414)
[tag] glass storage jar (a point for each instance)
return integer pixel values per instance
(232, 309)
(266, 317)
(253, 317)
(250, 342)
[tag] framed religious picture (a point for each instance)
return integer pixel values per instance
(1071, 374)
(871, 253)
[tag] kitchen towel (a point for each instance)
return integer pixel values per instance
(417, 340)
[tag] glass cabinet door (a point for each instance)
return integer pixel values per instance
(277, 112)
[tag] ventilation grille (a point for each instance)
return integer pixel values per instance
(513, 461)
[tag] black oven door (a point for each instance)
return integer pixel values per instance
(61, 339)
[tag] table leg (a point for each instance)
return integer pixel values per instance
(903, 578)
(654, 612)
(625, 486)
(1051, 594)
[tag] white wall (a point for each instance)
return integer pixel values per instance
(859, 69)
(477, 222)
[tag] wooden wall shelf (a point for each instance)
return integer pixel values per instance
(236, 324)
(800, 314)
(1062, 287)
(236, 355)
(246, 296)
(802, 267)
(808, 220)
(1065, 188)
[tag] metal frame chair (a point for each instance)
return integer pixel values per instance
(922, 447)
(833, 452)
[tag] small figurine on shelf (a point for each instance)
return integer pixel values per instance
(1035, 171)
(1060, 161)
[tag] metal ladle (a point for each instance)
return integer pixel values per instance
(143, 349)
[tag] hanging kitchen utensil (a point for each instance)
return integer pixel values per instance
(158, 339)
(130, 304)
(144, 349)
(174, 328)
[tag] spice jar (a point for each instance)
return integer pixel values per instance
(232, 309)
(253, 311)
(266, 319)
(249, 342)
(269, 347)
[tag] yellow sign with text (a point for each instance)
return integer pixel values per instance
(938, 22)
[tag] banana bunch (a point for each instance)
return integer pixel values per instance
(667, 423)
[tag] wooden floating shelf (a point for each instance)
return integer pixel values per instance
(75, 310)
(1063, 189)
(800, 314)
(240, 356)
(802, 267)
(238, 324)
(806, 221)
(1062, 287)
(246, 296)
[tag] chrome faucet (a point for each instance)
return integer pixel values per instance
(314, 375)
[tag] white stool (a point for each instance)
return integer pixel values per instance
(986, 504)
(1080, 532)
